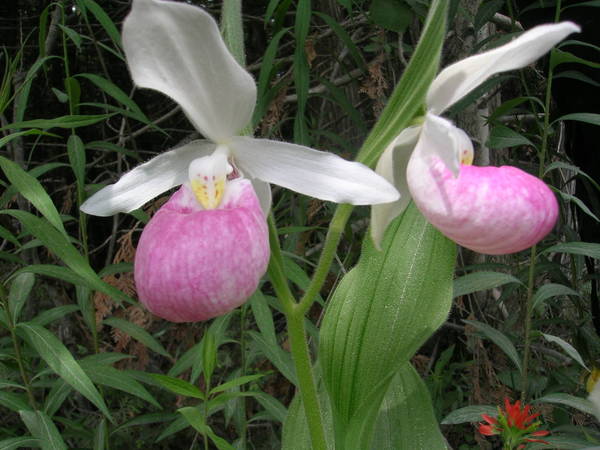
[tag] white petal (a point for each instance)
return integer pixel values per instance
(146, 181)
(440, 138)
(458, 79)
(177, 49)
(392, 166)
(263, 192)
(318, 174)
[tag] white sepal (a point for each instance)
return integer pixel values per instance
(460, 78)
(147, 180)
(311, 172)
(177, 49)
(392, 166)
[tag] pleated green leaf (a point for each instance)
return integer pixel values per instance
(408, 98)
(406, 419)
(381, 313)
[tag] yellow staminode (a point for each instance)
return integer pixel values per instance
(208, 179)
(466, 156)
(592, 379)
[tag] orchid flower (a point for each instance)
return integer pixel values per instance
(493, 210)
(593, 387)
(204, 252)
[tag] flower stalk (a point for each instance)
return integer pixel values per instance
(533, 254)
(294, 314)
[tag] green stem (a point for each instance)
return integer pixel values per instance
(232, 29)
(306, 381)
(298, 343)
(527, 332)
(205, 409)
(17, 347)
(22, 371)
(243, 364)
(531, 281)
(334, 233)
(276, 272)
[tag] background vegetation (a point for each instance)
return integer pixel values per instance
(82, 365)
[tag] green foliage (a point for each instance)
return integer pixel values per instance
(83, 366)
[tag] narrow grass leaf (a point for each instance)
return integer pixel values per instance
(61, 247)
(469, 414)
(236, 382)
(117, 93)
(36, 172)
(578, 403)
(52, 314)
(273, 406)
(13, 401)
(144, 419)
(30, 188)
(76, 152)
(196, 419)
(549, 290)
(101, 436)
(6, 139)
(20, 288)
(72, 121)
(59, 392)
(104, 20)
(579, 203)
(60, 360)
(576, 248)
(138, 333)
(58, 272)
(591, 118)
(73, 35)
(567, 348)
(504, 137)
(481, 281)
(5, 234)
(117, 379)
(19, 442)
(42, 427)
(280, 359)
(563, 165)
(178, 386)
(263, 316)
(498, 338)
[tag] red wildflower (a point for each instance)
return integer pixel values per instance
(515, 424)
